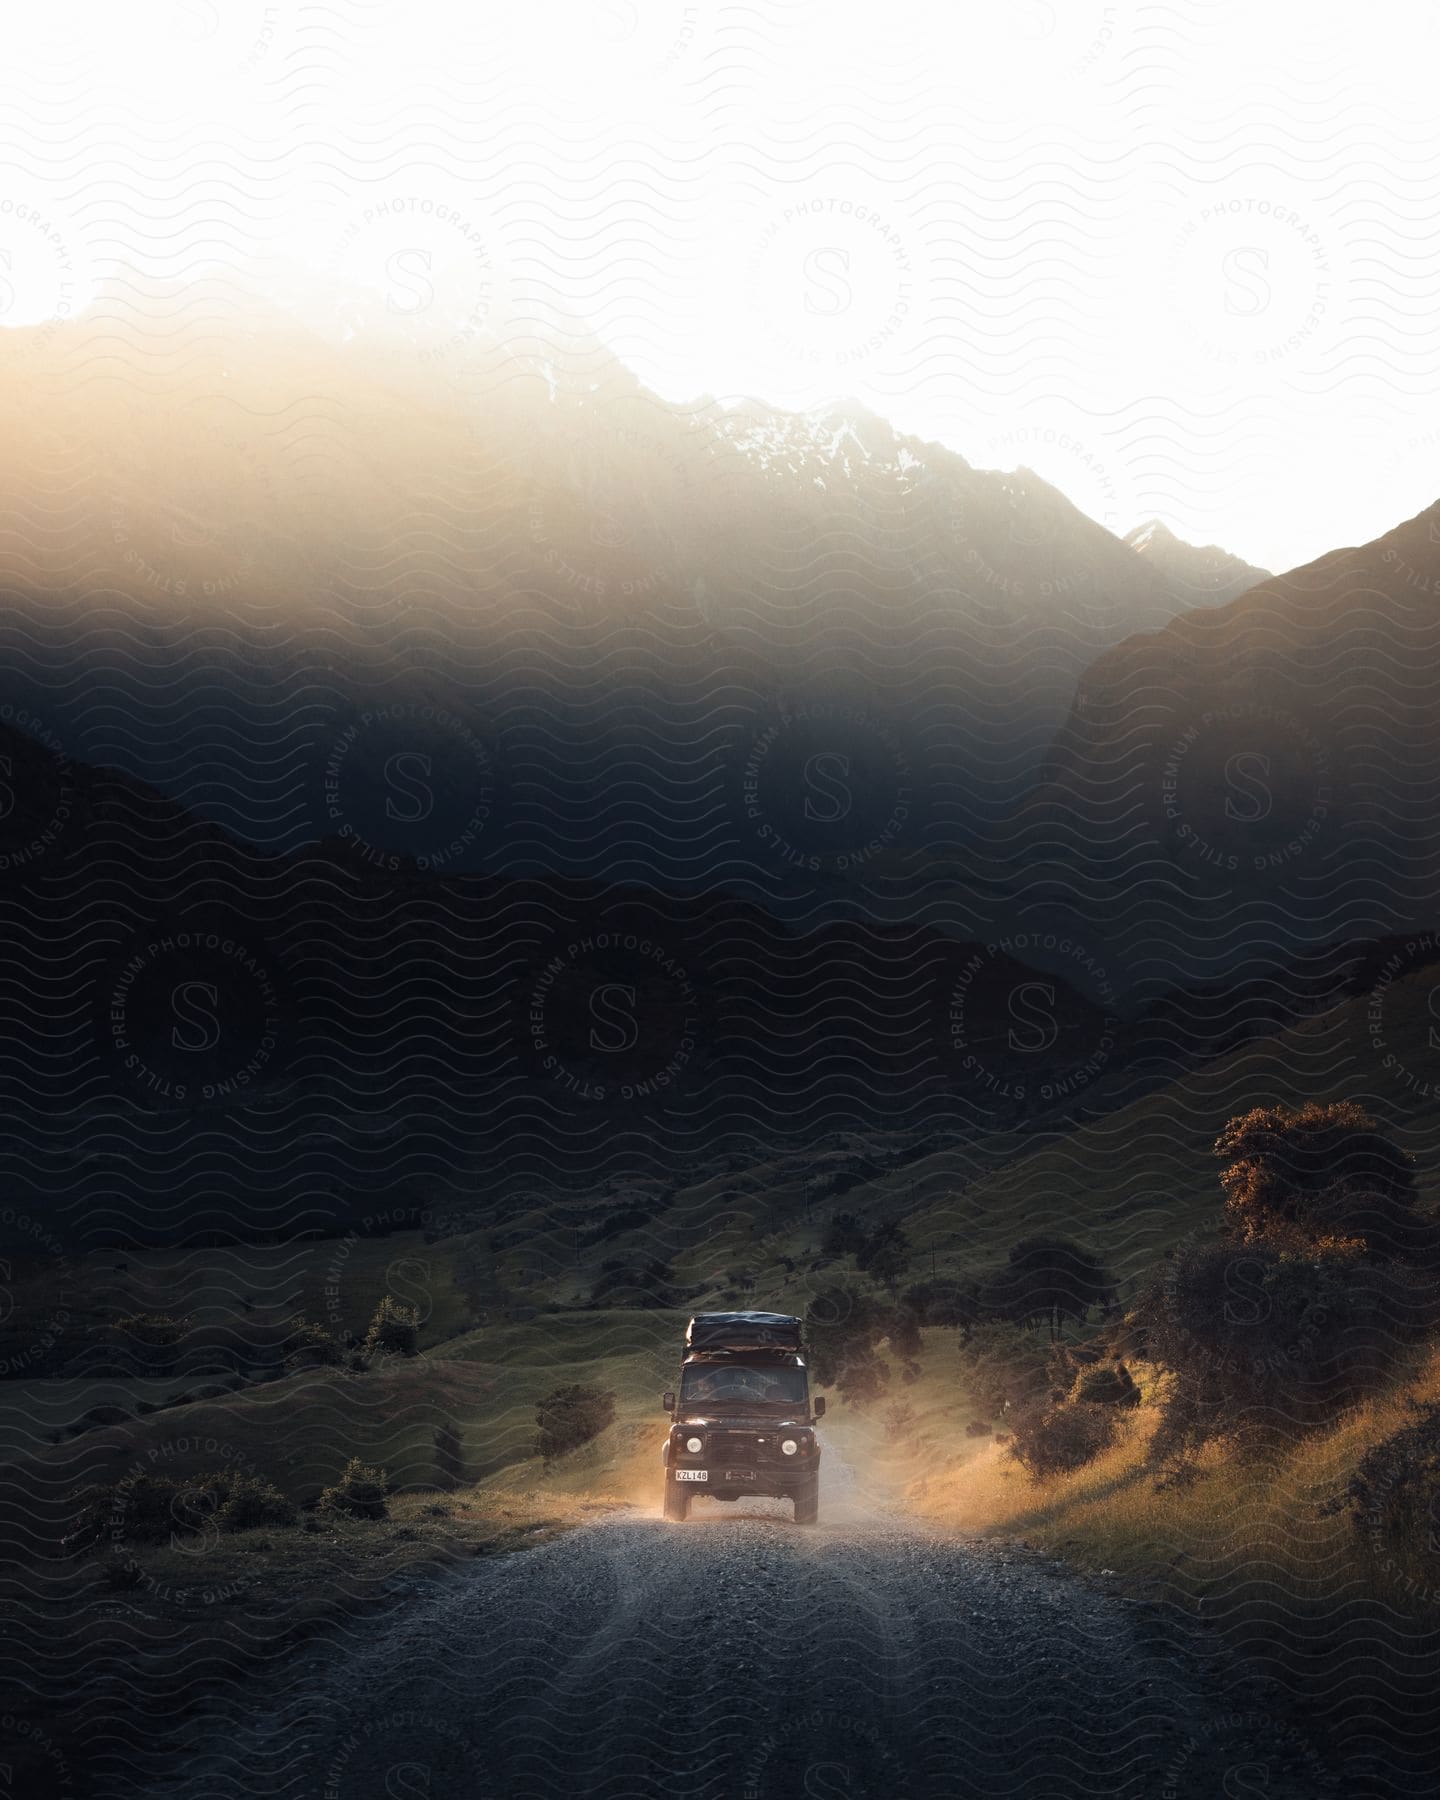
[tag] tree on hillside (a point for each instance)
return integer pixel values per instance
(1047, 1280)
(885, 1254)
(1323, 1276)
(394, 1330)
(1318, 1176)
(570, 1416)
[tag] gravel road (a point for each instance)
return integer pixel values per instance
(738, 1657)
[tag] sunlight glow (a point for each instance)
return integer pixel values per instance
(1177, 259)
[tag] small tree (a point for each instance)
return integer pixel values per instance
(360, 1492)
(570, 1416)
(394, 1330)
(885, 1254)
(1047, 1280)
(842, 1323)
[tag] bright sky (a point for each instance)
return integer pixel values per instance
(1180, 258)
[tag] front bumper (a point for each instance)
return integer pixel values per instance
(742, 1463)
(778, 1484)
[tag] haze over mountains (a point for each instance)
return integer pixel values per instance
(442, 780)
(217, 559)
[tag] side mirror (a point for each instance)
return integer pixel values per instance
(668, 1402)
(819, 1407)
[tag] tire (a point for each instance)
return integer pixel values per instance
(677, 1500)
(807, 1502)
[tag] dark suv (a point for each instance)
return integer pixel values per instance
(742, 1420)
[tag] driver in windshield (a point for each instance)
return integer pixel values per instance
(732, 1384)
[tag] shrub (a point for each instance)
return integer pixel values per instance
(570, 1416)
(359, 1494)
(247, 1502)
(1054, 1440)
(157, 1509)
(885, 1253)
(1260, 1341)
(1106, 1384)
(1394, 1494)
(862, 1377)
(1004, 1366)
(1319, 1177)
(394, 1330)
(310, 1346)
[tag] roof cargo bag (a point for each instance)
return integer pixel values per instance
(743, 1331)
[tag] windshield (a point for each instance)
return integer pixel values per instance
(735, 1382)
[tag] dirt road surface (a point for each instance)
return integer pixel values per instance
(739, 1657)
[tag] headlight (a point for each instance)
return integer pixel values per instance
(694, 1446)
(789, 1447)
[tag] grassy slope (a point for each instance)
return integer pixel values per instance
(1250, 1545)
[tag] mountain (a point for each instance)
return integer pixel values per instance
(1209, 575)
(1258, 777)
(277, 577)
(200, 1040)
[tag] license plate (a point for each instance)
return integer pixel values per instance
(692, 1474)
(739, 1474)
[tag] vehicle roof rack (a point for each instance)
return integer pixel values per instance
(743, 1331)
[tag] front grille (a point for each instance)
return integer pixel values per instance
(740, 1449)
